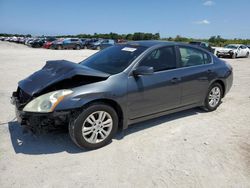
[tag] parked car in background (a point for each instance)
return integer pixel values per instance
(233, 51)
(7, 39)
(40, 41)
(69, 43)
(89, 42)
(29, 41)
(121, 41)
(107, 43)
(96, 45)
(37, 43)
(13, 39)
(203, 45)
(48, 42)
(119, 86)
(85, 43)
(21, 40)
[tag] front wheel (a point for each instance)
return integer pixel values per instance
(94, 127)
(213, 98)
(78, 47)
(234, 55)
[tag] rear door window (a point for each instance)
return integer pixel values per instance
(193, 57)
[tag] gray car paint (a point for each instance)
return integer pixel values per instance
(141, 98)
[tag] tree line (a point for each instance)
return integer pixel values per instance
(115, 36)
(213, 40)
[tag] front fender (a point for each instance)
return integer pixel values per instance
(69, 103)
(114, 88)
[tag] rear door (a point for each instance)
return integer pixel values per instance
(197, 71)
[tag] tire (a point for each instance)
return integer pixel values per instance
(98, 47)
(59, 47)
(211, 95)
(234, 56)
(95, 136)
(78, 47)
(247, 55)
(85, 47)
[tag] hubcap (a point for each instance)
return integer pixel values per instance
(97, 127)
(214, 96)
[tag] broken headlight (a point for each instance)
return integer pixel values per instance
(47, 102)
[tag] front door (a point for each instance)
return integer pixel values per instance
(149, 94)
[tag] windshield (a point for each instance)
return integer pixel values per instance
(114, 59)
(231, 46)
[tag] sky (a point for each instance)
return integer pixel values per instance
(188, 18)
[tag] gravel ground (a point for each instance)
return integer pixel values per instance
(185, 149)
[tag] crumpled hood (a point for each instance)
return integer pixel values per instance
(53, 72)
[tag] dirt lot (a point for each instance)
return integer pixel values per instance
(186, 149)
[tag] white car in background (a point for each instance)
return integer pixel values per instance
(233, 51)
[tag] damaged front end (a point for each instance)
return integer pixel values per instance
(38, 122)
(54, 78)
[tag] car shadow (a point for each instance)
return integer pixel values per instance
(56, 142)
(156, 121)
(49, 143)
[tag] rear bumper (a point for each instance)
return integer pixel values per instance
(39, 122)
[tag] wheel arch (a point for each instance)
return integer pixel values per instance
(222, 85)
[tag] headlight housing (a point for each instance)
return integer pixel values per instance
(47, 102)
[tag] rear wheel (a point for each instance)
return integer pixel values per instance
(98, 47)
(94, 127)
(247, 55)
(213, 98)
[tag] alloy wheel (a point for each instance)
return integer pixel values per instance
(97, 127)
(214, 96)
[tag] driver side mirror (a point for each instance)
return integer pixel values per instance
(143, 70)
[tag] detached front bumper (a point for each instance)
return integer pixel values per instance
(39, 122)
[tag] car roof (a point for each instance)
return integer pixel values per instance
(150, 43)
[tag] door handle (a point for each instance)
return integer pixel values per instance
(175, 80)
